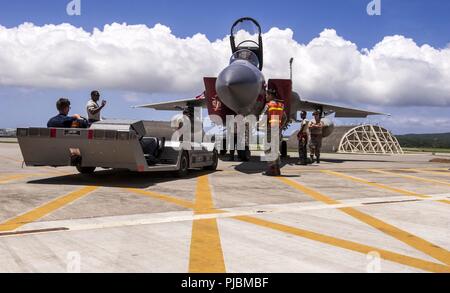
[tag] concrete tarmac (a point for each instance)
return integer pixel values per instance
(351, 213)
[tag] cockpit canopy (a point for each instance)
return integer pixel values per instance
(245, 54)
(246, 34)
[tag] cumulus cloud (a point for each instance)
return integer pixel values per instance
(402, 124)
(136, 58)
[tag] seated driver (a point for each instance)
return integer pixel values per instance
(62, 120)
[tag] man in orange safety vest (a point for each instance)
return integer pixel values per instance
(276, 114)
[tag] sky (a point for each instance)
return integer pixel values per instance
(138, 52)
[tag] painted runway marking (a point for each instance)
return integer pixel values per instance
(206, 254)
(204, 205)
(5, 178)
(180, 216)
(432, 172)
(350, 245)
(374, 184)
(167, 198)
(410, 177)
(341, 243)
(418, 243)
(10, 178)
(415, 178)
(45, 209)
(381, 186)
(10, 159)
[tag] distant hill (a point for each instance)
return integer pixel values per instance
(438, 140)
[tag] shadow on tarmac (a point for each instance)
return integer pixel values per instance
(128, 179)
(118, 178)
(255, 165)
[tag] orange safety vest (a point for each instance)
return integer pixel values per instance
(275, 112)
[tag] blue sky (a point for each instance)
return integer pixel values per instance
(426, 22)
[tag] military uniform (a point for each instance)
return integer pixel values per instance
(303, 142)
(92, 106)
(315, 144)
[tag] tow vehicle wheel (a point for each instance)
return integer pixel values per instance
(184, 166)
(215, 159)
(244, 156)
(85, 170)
(283, 149)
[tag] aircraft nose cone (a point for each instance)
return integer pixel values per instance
(238, 87)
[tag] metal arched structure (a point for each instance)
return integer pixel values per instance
(369, 139)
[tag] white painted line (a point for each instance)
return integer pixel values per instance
(180, 216)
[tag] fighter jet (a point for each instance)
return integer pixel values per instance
(240, 87)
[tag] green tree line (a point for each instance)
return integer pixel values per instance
(441, 140)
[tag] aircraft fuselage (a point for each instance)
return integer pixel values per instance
(240, 86)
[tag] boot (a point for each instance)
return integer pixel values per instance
(271, 171)
(277, 169)
(299, 159)
(278, 172)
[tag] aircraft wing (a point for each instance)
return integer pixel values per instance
(176, 105)
(340, 112)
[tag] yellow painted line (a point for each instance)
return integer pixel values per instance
(418, 243)
(374, 184)
(429, 169)
(203, 197)
(12, 178)
(432, 172)
(410, 177)
(6, 179)
(206, 254)
(350, 245)
(45, 209)
(11, 159)
(333, 241)
(167, 198)
(383, 186)
(55, 170)
(415, 178)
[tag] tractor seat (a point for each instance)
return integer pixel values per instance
(152, 148)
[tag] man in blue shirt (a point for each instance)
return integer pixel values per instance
(62, 120)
